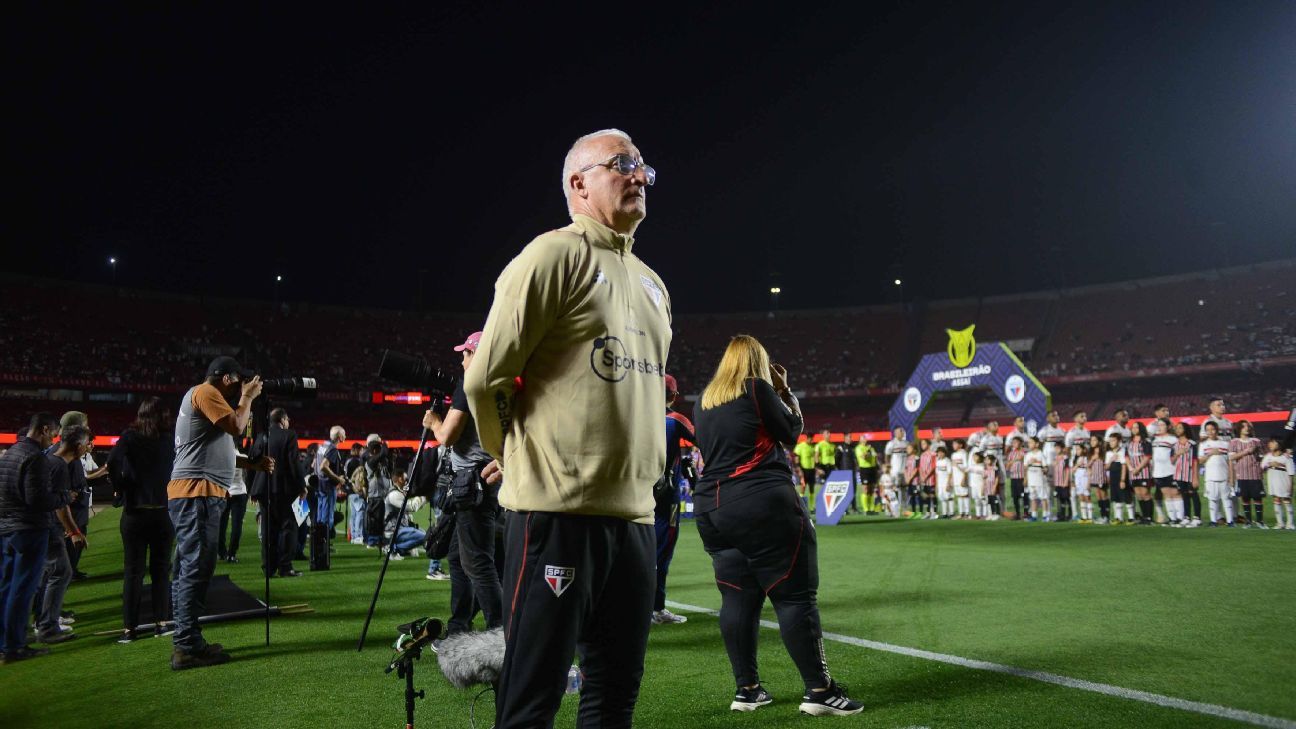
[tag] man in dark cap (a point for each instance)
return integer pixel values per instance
(205, 460)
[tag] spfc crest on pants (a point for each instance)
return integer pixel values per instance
(834, 492)
(559, 578)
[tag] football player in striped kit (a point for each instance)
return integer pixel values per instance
(1245, 452)
(1015, 466)
(1163, 471)
(993, 471)
(1138, 461)
(1118, 480)
(1185, 474)
(1278, 472)
(1062, 484)
(927, 478)
(912, 488)
(1098, 480)
(1213, 452)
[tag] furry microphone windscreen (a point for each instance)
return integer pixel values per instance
(471, 658)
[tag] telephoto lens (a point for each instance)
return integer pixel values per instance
(304, 388)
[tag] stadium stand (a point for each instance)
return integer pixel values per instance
(1182, 338)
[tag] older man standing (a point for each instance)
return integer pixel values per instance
(589, 325)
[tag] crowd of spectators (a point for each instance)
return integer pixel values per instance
(115, 339)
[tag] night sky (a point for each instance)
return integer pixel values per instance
(981, 150)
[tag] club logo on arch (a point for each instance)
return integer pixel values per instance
(559, 578)
(1014, 389)
(912, 399)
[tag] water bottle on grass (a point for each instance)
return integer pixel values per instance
(574, 679)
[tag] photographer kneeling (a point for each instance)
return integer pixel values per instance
(475, 492)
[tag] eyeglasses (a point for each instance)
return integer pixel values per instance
(626, 165)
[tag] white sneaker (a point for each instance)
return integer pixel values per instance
(438, 575)
(666, 617)
(358, 541)
(1290, 528)
(397, 556)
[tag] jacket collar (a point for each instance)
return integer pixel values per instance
(601, 235)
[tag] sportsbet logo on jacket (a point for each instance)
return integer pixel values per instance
(587, 326)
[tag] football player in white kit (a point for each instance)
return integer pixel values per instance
(958, 477)
(1163, 471)
(1036, 481)
(976, 485)
(1213, 453)
(1077, 436)
(1118, 481)
(1052, 439)
(1278, 470)
(1120, 427)
(943, 495)
(895, 452)
(1223, 427)
(1079, 469)
(890, 492)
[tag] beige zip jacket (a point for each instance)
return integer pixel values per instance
(586, 325)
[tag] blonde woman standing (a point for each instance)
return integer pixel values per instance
(756, 529)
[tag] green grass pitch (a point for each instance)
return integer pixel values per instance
(1204, 615)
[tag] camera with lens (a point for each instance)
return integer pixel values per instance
(302, 388)
(413, 371)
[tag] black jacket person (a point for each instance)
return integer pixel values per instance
(276, 492)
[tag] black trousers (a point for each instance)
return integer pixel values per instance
(147, 536)
(233, 519)
(1017, 489)
(475, 532)
(463, 606)
(574, 584)
(74, 551)
(279, 535)
(765, 546)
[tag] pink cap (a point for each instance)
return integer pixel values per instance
(671, 386)
(470, 343)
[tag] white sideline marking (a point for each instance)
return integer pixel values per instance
(1197, 707)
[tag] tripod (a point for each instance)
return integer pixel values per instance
(422, 632)
(391, 544)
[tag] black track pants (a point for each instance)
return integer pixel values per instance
(574, 585)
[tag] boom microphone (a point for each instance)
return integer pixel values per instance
(471, 658)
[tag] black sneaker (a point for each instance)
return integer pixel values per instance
(55, 638)
(750, 699)
(128, 636)
(181, 660)
(833, 702)
(23, 654)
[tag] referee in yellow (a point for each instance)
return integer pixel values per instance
(825, 461)
(566, 391)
